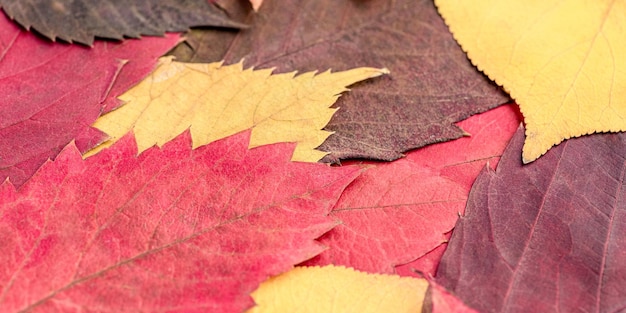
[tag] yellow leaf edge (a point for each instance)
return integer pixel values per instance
(338, 289)
(528, 155)
(304, 152)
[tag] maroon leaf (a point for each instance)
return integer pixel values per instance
(81, 20)
(432, 84)
(172, 229)
(439, 300)
(544, 237)
(52, 93)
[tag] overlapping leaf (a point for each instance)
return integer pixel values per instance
(173, 229)
(563, 62)
(432, 85)
(338, 290)
(398, 212)
(51, 93)
(217, 101)
(439, 300)
(545, 237)
(82, 20)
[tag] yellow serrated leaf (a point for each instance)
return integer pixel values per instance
(216, 101)
(338, 289)
(564, 62)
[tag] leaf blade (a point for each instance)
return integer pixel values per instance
(173, 227)
(576, 41)
(433, 84)
(551, 241)
(216, 101)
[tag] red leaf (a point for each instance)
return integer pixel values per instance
(547, 236)
(397, 212)
(173, 229)
(432, 84)
(51, 93)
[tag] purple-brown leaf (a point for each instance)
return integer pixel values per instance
(81, 20)
(544, 237)
(432, 84)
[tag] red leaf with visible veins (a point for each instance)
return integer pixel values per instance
(173, 229)
(52, 93)
(397, 212)
(432, 84)
(546, 236)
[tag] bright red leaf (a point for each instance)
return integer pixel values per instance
(397, 212)
(52, 92)
(547, 236)
(175, 230)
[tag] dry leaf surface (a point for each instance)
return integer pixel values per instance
(173, 228)
(338, 290)
(432, 84)
(564, 62)
(547, 236)
(216, 101)
(82, 20)
(52, 93)
(396, 213)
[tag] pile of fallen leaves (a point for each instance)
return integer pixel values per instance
(148, 167)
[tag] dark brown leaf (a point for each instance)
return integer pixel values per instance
(432, 84)
(81, 20)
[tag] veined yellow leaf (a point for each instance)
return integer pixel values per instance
(216, 101)
(564, 62)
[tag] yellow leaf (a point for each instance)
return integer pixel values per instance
(216, 101)
(564, 62)
(333, 289)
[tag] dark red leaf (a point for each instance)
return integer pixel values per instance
(439, 300)
(547, 236)
(175, 230)
(431, 86)
(52, 93)
(82, 20)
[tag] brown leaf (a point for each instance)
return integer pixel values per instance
(432, 84)
(81, 20)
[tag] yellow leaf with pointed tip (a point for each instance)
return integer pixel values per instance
(338, 289)
(216, 101)
(564, 62)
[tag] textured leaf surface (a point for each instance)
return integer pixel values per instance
(176, 229)
(439, 300)
(432, 84)
(51, 93)
(338, 290)
(82, 20)
(563, 62)
(545, 237)
(217, 101)
(398, 212)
